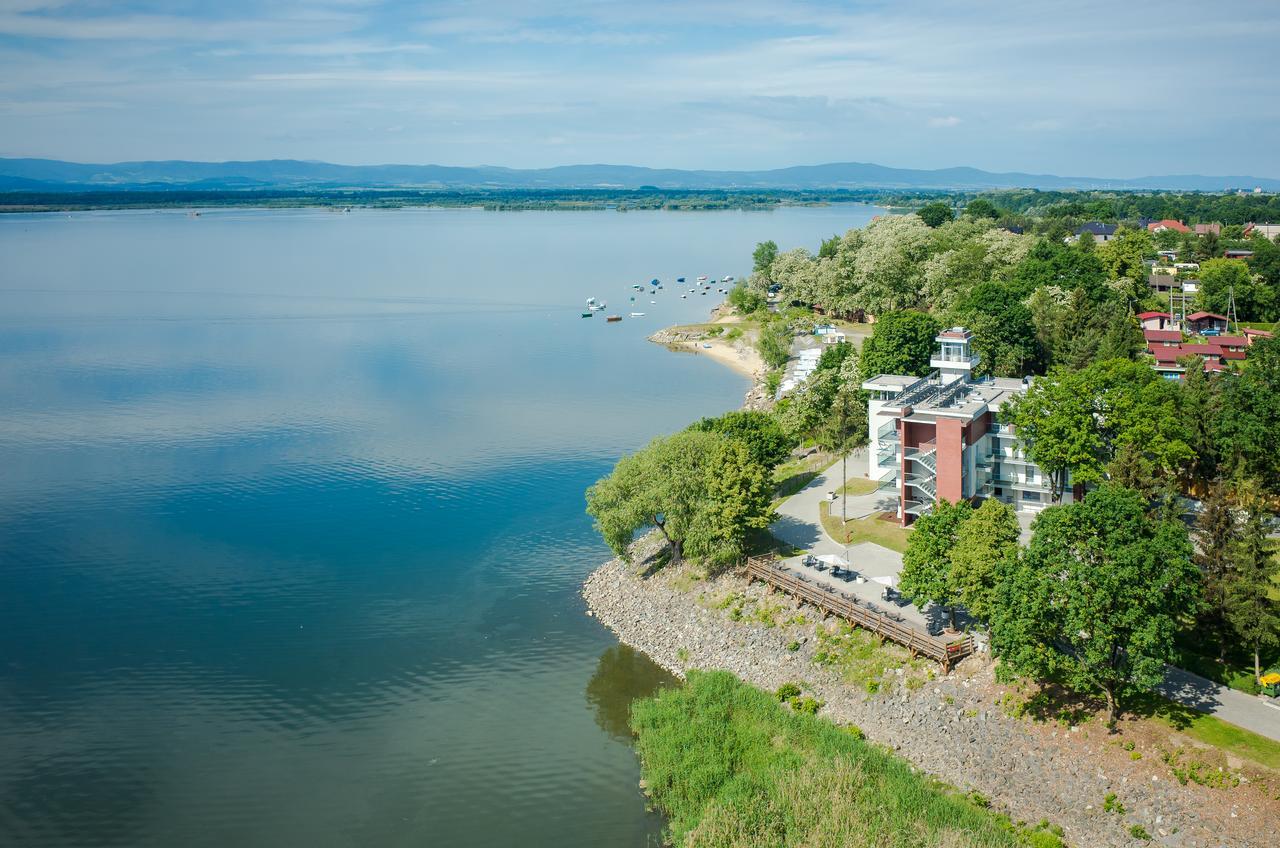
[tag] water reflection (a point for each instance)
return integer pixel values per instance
(623, 676)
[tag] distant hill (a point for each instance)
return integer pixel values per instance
(55, 175)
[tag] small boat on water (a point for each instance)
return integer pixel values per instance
(653, 301)
(612, 318)
(637, 314)
(727, 280)
(594, 306)
(679, 279)
(685, 296)
(655, 281)
(703, 278)
(587, 314)
(638, 287)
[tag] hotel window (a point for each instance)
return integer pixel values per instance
(1031, 496)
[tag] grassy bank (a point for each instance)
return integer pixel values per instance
(733, 767)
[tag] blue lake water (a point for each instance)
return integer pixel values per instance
(291, 518)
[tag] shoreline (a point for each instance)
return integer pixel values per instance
(744, 360)
(958, 728)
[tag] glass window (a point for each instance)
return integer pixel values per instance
(1031, 496)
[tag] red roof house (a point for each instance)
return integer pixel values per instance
(1163, 337)
(1156, 320)
(1168, 224)
(1250, 334)
(1198, 322)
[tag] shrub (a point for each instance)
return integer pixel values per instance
(1139, 832)
(787, 691)
(809, 706)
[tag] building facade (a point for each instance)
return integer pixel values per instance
(938, 437)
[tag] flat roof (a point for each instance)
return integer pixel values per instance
(887, 382)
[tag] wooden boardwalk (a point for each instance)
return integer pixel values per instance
(947, 652)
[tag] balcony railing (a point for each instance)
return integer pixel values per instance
(917, 508)
(921, 483)
(886, 454)
(888, 431)
(924, 454)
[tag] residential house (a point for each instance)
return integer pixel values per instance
(1267, 230)
(1167, 224)
(1162, 338)
(1101, 232)
(937, 437)
(1203, 323)
(1164, 283)
(1233, 347)
(1208, 229)
(1251, 335)
(1157, 321)
(1167, 355)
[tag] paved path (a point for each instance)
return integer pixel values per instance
(798, 524)
(1262, 716)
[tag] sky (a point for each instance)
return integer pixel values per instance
(1106, 89)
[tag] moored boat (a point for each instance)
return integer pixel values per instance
(679, 279)
(593, 306)
(587, 314)
(637, 314)
(703, 278)
(613, 318)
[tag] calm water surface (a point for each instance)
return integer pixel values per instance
(291, 518)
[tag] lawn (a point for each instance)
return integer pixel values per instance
(871, 529)
(858, 486)
(731, 766)
(1205, 728)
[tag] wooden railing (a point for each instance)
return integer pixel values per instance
(915, 639)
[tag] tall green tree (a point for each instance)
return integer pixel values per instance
(759, 431)
(702, 491)
(1247, 416)
(983, 541)
(901, 343)
(1097, 597)
(1123, 254)
(927, 573)
(1200, 404)
(1221, 280)
(762, 257)
(1216, 536)
(1056, 425)
(980, 207)
(1004, 332)
(936, 214)
(1253, 613)
(774, 343)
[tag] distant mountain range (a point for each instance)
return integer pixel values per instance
(55, 175)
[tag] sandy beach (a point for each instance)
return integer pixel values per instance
(744, 360)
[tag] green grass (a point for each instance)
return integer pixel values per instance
(733, 767)
(870, 529)
(1205, 728)
(858, 486)
(793, 475)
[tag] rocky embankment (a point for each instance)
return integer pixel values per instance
(957, 728)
